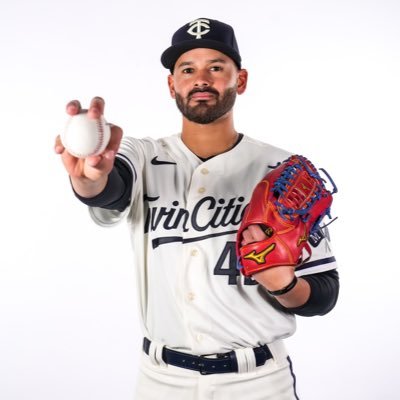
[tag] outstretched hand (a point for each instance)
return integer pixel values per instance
(89, 175)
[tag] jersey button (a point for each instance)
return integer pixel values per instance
(202, 190)
(199, 337)
(190, 296)
(204, 171)
(194, 252)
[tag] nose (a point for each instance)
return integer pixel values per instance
(203, 79)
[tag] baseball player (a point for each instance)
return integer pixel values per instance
(210, 332)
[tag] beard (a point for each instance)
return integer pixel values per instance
(203, 113)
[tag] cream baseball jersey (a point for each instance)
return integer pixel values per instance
(183, 217)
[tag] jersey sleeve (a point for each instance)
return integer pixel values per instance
(132, 155)
(117, 192)
(323, 295)
(322, 258)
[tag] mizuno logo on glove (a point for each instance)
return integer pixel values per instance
(259, 258)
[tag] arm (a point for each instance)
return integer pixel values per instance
(314, 294)
(117, 193)
(323, 295)
(277, 278)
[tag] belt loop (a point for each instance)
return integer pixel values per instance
(246, 360)
(278, 351)
(155, 353)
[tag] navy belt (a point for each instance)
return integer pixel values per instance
(219, 364)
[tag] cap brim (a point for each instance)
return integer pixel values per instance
(171, 55)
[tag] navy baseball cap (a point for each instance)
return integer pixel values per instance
(202, 33)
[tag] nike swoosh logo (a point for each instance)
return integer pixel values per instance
(156, 161)
(274, 166)
(149, 198)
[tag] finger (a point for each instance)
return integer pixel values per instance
(94, 161)
(96, 108)
(103, 163)
(115, 138)
(257, 232)
(58, 146)
(114, 143)
(74, 107)
(253, 233)
(247, 237)
(106, 159)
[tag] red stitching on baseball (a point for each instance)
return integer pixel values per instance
(101, 135)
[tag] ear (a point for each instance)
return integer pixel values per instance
(171, 86)
(242, 81)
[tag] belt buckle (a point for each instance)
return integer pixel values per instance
(203, 364)
(206, 365)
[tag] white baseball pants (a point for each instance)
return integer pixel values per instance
(272, 381)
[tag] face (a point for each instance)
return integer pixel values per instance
(204, 84)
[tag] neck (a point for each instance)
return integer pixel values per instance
(209, 139)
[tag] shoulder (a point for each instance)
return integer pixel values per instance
(147, 144)
(257, 149)
(145, 148)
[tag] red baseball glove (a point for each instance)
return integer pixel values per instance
(289, 203)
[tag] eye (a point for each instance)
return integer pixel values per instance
(216, 68)
(187, 70)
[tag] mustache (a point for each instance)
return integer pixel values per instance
(203, 90)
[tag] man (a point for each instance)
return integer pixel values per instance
(210, 333)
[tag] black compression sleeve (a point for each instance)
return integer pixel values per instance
(117, 193)
(324, 294)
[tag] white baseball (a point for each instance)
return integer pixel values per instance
(84, 137)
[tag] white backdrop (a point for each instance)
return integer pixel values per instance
(324, 82)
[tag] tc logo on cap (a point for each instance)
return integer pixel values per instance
(213, 34)
(199, 27)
